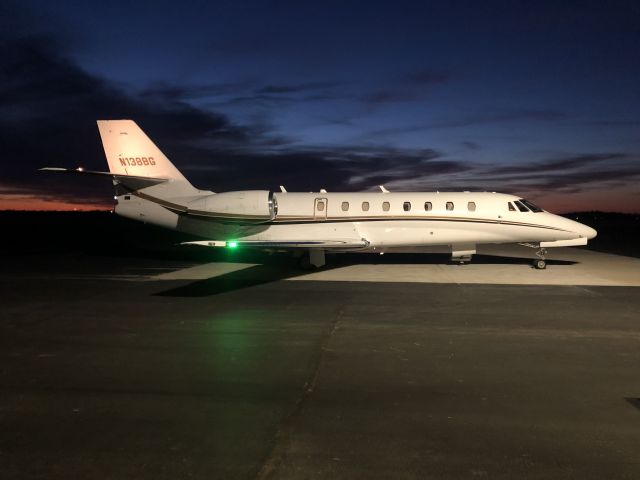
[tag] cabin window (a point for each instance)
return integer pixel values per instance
(406, 206)
(449, 206)
(520, 206)
(386, 206)
(531, 206)
(345, 206)
(471, 206)
(365, 206)
(320, 206)
(427, 206)
(511, 207)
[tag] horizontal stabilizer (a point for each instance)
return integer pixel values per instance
(133, 182)
(324, 244)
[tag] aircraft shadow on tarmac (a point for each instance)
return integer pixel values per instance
(273, 270)
(434, 259)
(634, 401)
(229, 282)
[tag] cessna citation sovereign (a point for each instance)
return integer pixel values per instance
(149, 188)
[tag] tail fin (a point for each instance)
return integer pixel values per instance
(130, 152)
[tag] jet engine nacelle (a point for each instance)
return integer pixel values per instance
(247, 205)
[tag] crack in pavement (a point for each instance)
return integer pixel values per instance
(285, 429)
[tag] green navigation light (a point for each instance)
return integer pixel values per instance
(232, 244)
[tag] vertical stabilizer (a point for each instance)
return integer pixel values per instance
(130, 152)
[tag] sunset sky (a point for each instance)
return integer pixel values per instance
(541, 99)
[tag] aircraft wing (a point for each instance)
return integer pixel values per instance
(346, 244)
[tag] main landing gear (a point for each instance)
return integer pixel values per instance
(462, 252)
(312, 259)
(540, 263)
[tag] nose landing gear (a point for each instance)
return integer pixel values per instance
(540, 263)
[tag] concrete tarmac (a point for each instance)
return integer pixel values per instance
(142, 368)
(509, 265)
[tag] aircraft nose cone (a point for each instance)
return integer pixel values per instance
(586, 231)
(590, 232)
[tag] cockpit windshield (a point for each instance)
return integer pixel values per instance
(521, 206)
(534, 208)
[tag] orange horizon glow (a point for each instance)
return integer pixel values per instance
(20, 203)
(614, 201)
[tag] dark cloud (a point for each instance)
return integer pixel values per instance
(50, 105)
(541, 116)
(262, 99)
(347, 169)
(556, 164)
(577, 181)
(428, 78)
(567, 175)
(244, 91)
(301, 87)
(616, 123)
(48, 109)
(162, 91)
(410, 88)
(471, 145)
(274, 95)
(388, 96)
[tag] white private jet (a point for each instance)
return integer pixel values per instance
(149, 188)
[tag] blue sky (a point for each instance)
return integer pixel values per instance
(418, 95)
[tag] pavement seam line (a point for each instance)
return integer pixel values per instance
(283, 434)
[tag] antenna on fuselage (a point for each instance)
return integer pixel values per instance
(282, 189)
(322, 190)
(384, 190)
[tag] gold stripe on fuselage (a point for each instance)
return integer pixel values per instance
(298, 219)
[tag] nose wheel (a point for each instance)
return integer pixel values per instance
(540, 263)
